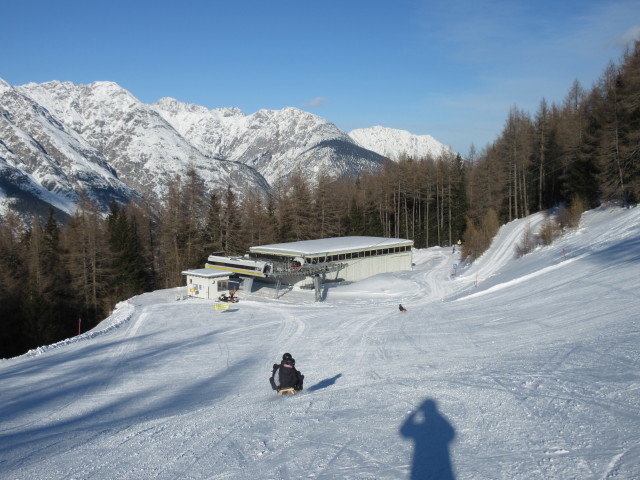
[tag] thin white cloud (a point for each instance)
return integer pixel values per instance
(629, 36)
(315, 102)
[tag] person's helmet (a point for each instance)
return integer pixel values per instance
(287, 359)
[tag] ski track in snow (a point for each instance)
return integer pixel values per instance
(532, 363)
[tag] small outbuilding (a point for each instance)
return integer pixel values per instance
(206, 283)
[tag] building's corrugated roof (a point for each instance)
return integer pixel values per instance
(330, 246)
(205, 273)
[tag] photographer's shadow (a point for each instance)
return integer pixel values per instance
(432, 434)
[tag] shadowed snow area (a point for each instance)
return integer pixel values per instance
(512, 369)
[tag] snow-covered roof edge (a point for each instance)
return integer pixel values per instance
(205, 273)
(332, 246)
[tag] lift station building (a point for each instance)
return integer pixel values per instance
(309, 262)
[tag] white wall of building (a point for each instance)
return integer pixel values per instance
(364, 267)
(208, 288)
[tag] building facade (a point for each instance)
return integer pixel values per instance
(339, 259)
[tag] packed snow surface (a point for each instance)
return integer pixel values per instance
(507, 369)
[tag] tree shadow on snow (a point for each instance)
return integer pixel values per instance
(622, 252)
(432, 434)
(54, 422)
(327, 382)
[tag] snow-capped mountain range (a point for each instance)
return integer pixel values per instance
(58, 139)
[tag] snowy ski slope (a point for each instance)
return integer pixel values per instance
(513, 369)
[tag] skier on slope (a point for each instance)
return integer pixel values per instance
(285, 375)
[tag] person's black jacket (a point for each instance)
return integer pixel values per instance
(285, 375)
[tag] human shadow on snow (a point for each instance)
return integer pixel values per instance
(432, 434)
(327, 382)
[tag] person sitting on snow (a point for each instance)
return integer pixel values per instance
(285, 375)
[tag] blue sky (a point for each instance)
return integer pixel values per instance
(451, 69)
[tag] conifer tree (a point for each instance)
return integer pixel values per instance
(303, 225)
(326, 207)
(193, 218)
(231, 224)
(459, 202)
(212, 234)
(87, 260)
(48, 306)
(614, 124)
(171, 234)
(284, 212)
(630, 111)
(354, 223)
(13, 273)
(256, 227)
(128, 274)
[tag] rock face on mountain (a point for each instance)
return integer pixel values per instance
(58, 139)
(142, 147)
(273, 142)
(44, 163)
